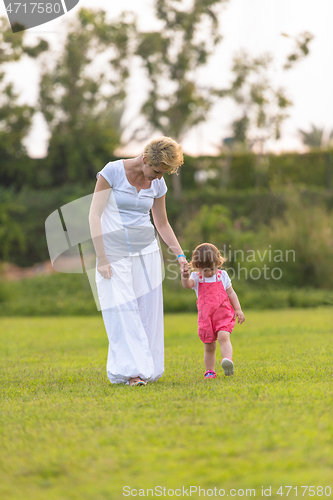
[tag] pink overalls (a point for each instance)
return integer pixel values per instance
(215, 311)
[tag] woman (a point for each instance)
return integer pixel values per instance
(129, 270)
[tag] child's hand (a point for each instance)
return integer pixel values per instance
(240, 314)
(186, 273)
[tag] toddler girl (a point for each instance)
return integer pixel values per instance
(216, 316)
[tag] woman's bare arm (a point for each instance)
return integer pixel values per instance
(165, 230)
(99, 201)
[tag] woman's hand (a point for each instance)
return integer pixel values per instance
(182, 262)
(104, 268)
(187, 270)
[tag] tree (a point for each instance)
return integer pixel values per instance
(11, 232)
(314, 138)
(301, 48)
(83, 107)
(15, 118)
(263, 106)
(171, 56)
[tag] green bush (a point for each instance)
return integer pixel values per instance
(303, 239)
(58, 294)
(24, 212)
(70, 294)
(245, 170)
(178, 299)
(295, 249)
(23, 221)
(309, 169)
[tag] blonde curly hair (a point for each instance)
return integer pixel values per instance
(164, 152)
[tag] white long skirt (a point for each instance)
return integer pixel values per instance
(132, 308)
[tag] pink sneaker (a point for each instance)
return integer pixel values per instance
(210, 374)
(228, 366)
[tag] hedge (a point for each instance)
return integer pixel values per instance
(247, 170)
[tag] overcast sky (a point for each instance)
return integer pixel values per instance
(252, 24)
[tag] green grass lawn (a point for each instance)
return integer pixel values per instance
(67, 434)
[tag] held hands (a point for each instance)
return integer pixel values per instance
(186, 271)
(182, 262)
(240, 314)
(104, 268)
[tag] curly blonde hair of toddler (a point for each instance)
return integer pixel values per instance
(164, 152)
(206, 256)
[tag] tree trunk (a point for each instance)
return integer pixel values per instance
(328, 171)
(177, 186)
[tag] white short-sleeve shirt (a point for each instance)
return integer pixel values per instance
(126, 207)
(226, 281)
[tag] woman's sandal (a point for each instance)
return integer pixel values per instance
(210, 374)
(138, 382)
